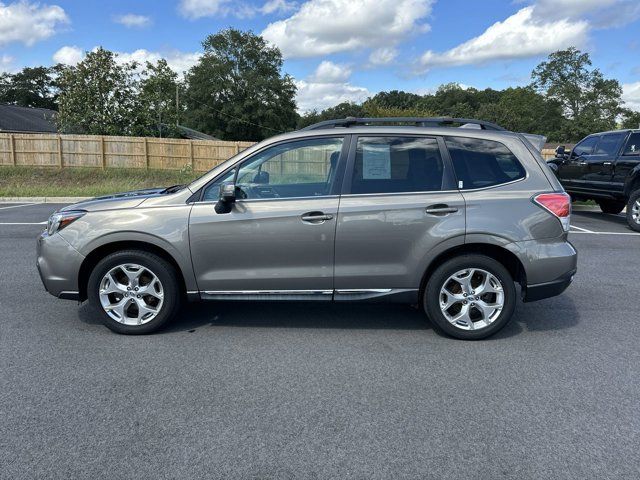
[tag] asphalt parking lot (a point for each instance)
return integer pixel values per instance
(323, 391)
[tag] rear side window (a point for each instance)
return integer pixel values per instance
(633, 145)
(609, 144)
(397, 164)
(482, 163)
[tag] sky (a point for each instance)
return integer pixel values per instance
(341, 50)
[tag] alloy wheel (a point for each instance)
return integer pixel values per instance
(471, 299)
(131, 294)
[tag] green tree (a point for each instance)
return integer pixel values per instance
(30, 87)
(237, 90)
(591, 102)
(99, 96)
(342, 110)
(630, 119)
(158, 109)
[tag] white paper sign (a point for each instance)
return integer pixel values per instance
(376, 162)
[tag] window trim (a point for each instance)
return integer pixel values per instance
(624, 146)
(448, 180)
(510, 182)
(335, 188)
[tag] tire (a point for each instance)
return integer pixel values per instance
(484, 324)
(137, 279)
(611, 206)
(633, 211)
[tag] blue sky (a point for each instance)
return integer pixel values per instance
(341, 50)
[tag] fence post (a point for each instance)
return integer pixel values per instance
(237, 147)
(146, 153)
(60, 151)
(191, 154)
(102, 156)
(12, 145)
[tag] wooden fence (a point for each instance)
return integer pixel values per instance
(62, 151)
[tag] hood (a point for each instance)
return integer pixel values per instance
(118, 200)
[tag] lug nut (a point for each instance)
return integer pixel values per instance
(464, 303)
(472, 292)
(464, 294)
(473, 304)
(128, 288)
(136, 289)
(138, 296)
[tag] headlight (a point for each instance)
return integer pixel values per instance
(59, 220)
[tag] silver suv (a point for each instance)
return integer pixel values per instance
(449, 214)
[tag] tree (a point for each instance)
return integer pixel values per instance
(30, 87)
(159, 114)
(590, 101)
(237, 91)
(342, 110)
(98, 96)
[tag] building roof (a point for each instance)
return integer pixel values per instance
(26, 120)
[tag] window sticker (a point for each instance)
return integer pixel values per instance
(376, 162)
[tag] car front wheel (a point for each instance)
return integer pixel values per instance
(135, 292)
(470, 297)
(633, 211)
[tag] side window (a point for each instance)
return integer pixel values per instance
(397, 164)
(609, 144)
(212, 192)
(633, 145)
(482, 163)
(304, 168)
(585, 147)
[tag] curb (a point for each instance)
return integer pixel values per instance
(43, 199)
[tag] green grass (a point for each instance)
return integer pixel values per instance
(84, 182)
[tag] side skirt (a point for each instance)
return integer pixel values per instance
(395, 295)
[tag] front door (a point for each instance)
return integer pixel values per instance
(278, 239)
(571, 170)
(399, 203)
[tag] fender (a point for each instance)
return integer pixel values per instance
(632, 182)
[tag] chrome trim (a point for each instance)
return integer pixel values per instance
(267, 292)
(348, 291)
(191, 292)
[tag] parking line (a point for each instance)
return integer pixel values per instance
(23, 223)
(583, 230)
(609, 233)
(23, 205)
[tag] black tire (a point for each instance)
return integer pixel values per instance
(633, 223)
(431, 296)
(172, 294)
(611, 206)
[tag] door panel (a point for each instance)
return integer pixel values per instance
(598, 171)
(627, 161)
(264, 245)
(382, 240)
(571, 171)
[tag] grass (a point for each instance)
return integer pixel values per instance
(84, 182)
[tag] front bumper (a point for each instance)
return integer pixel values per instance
(58, 265)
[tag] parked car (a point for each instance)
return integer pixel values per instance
(604, 167)
(346, 210)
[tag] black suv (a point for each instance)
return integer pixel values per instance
(604, 167)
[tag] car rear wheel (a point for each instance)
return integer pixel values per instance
(633, 211)
(135, 292)
(470, 297)
(611, 206)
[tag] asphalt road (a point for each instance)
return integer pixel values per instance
(279, 391)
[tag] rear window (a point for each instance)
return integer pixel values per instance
(609, 144)
(482, 163)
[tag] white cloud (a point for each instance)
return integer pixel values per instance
(177, 61)
(131, 20)
(519, 36)
(329, 72)
(383, 56)
(6, 64)
(195, 9)
(277, 6)
(29, 22)
(631, 95)
(319, 96)
(322, 27)
(69, 55)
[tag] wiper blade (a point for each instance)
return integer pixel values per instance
(173, 188)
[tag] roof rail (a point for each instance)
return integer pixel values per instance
(417, 121)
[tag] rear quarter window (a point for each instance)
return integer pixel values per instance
(480, 163)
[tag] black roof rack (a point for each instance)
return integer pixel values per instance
(417, 121)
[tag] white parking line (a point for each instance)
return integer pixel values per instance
(23, 223)
(22, 205)
(583, 230)
(608, 233)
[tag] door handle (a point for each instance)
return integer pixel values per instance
(440, 209)
(316, 217)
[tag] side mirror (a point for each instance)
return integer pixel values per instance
(561, 152)
(227, 198)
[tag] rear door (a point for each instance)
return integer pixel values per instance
(627, 161)
(399, 203)
(598, 171)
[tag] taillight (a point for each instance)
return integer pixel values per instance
(559, 204)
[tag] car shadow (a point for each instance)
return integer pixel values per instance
(607, 218)
(557, 313)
